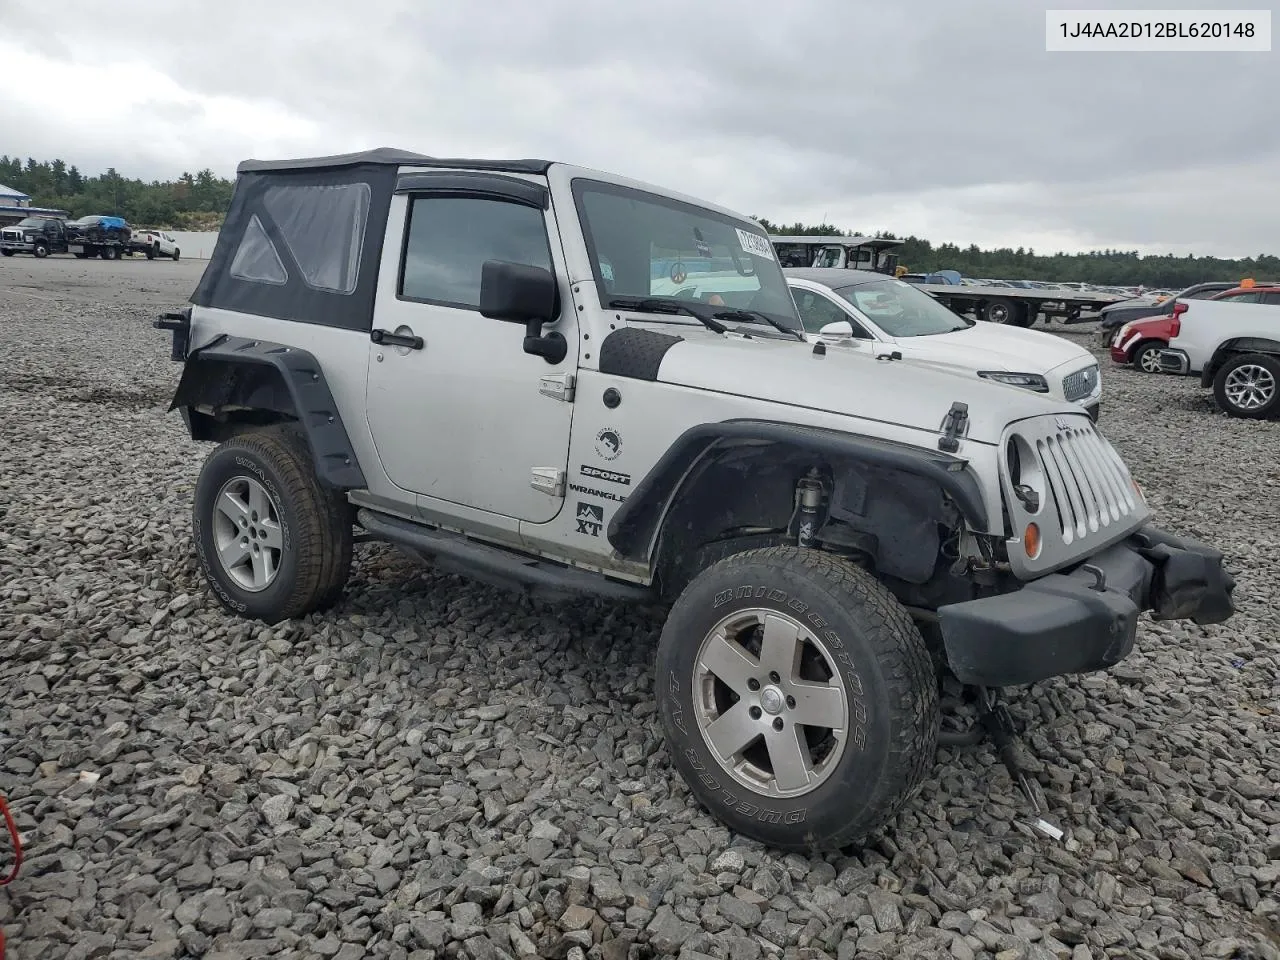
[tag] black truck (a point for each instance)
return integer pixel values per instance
(39, 236)
(100, 236)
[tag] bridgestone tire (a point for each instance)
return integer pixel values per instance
(880, 663)
(1267, 368)
(315, 526)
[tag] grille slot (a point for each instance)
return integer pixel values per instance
(1078, 385)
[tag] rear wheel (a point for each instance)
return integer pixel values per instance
(1248, 386)
(7, 253)
(273, 543)
(153, 251)
(1147, 357)
(999, 311)
(798, 698)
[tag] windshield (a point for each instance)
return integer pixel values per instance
(900, 310)
(30, 222)
(643, 245)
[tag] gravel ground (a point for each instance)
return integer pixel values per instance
(436, 769)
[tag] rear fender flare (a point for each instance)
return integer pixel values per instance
(260, 375)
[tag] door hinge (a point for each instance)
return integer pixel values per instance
(548, 480)
(558, 386)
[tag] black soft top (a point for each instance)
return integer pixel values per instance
(391, 156)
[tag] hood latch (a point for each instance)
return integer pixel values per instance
(953, 427)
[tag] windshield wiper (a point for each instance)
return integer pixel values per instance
(657, 305)
(757, 315)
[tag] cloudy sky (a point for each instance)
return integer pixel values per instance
(943, 119)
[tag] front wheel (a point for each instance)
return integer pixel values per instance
(1248, 386)
(798, 698)
(1147, 357)
(7, 253)
(273, 543)
(41, 250)
(176, 253)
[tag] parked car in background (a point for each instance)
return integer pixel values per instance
(883, 316)
(39, 236)
(1141, 342)
(155, 243)
(1112, 317)
(1235, 347)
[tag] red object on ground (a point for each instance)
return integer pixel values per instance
(17, 856)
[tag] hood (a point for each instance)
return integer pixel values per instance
(845, 382)
(991, 346)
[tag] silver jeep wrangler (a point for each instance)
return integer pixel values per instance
(834, 532)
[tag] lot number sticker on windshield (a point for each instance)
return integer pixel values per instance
(755, 244)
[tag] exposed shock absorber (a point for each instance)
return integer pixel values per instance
(809, 493)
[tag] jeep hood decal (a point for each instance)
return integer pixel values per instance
(850, 382)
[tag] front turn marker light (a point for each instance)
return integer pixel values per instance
(1031, 541)
(1137, 488)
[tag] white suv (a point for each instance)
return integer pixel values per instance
(879, 315)
(468, 359)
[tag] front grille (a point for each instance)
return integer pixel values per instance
(1087, 497)
(1078, 385)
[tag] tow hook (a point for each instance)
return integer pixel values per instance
(995, 721)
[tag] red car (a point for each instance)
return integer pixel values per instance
(1139, 342)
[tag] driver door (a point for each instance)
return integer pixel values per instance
(462, 414)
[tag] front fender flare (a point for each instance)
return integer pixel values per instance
(634, 527)
(228, 370)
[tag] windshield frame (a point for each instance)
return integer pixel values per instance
(761, 269)
(910, 291)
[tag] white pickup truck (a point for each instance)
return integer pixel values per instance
(1235, 347)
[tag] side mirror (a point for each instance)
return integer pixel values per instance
(519, 293)
(839, 330)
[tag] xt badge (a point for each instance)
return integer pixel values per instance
(590, 518)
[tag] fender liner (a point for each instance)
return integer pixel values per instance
(230, 368)
(1235, 345)
(633, 527)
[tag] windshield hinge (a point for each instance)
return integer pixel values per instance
(953, 427)
(558, 386)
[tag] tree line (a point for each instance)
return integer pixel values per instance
(198, 202)
(192, 202)
(1107, 267)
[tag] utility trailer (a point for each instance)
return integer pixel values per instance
(99, 236)
(1013, 305)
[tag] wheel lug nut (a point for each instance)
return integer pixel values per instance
(754, 713)
(791, 703)
(774, 677)
(777, 723)
(753, 684)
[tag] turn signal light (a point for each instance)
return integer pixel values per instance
(1031, 541)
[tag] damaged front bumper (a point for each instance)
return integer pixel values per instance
(1085, 619)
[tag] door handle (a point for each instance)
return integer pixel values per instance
(396, 339)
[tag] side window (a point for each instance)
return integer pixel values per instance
(450, 238)
(1271, 298)
(1241, 298)
(816, 311)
